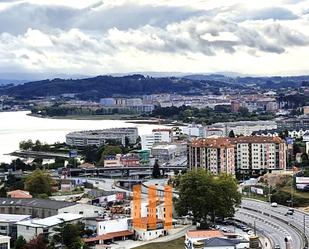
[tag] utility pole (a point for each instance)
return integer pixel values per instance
(292, 191)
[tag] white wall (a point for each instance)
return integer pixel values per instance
(111, 226)
(28, 232)
(83, 209)
(156, 137)
(5, 240)
(149, 235)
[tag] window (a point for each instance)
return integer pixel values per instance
(3, 246)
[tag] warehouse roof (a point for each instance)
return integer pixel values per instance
(38, 203)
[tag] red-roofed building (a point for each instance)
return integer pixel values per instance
(197, 235)
(245, 153)
(19, 194)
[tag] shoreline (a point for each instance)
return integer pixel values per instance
(127, 118)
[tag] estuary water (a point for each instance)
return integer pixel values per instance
(18, 126)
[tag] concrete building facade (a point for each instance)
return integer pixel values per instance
(237, 154)
(99, 137)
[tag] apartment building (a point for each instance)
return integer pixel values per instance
(260, 153)
(245, 128)
(99, 137)
(157, 136)
(213, 154)
(244, 154)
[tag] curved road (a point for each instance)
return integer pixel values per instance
(271, 227)
(282, 225)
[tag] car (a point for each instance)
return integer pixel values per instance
(277, 247)
(224, 229)
(289, 212)
(274, 204)
(246, 229)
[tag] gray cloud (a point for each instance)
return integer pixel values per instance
(20, 17)
(100, 36)
(272, 13)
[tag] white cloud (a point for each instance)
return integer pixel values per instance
(95, 37)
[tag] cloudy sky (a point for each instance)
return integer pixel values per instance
(89, 37)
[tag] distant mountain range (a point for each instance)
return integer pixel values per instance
(137, 84)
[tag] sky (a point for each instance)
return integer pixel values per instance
(92, 37)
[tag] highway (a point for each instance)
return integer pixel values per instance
(270, 227)
(292, 225)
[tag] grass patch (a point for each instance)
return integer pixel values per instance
(174, 244)
(300, 194)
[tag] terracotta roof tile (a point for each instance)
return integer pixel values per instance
(225, 142)
(108, 236)
(204, 233)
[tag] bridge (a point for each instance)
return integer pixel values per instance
(39, 154)
(97, 171)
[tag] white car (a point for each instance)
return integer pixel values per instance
(274, 204)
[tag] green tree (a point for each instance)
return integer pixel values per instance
(110, 150)
(3, 192)
(156, 173)
(26, 145)
(20, 242)
(304, 160)
(127, 142)
(206, 196)
(39, 182)
(231, 134)
(69, 235)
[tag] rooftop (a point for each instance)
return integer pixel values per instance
(50, 221)
(19, 194)
(204, 233)
(223, 142)
(110, 236)
(38, 203)
(214, 242)
(13, 217)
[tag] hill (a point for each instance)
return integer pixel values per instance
(106, 86)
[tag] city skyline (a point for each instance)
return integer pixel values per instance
(85, 38)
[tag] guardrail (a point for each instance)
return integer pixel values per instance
(260, 231)
(298, 230)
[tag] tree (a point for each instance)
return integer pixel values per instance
(206, 196)
(304, 160)
(3, 192)
(20, 242)
(110, 150)
(127, 141)
(69, 235)
(39, 242)
(156, 173)
(39, 182)
(26, 145)
(231, 134)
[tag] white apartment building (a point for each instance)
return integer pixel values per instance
(194, 130)
(99, 137)
(157, 136)
(245, 128)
